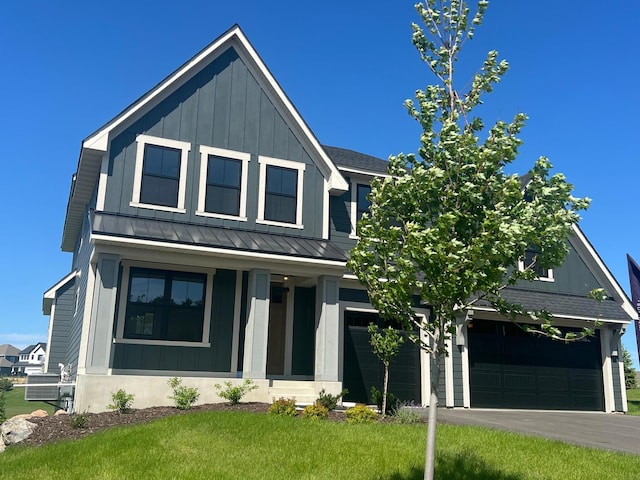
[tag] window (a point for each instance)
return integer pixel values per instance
(160, 173)
(165, 305)
(280, 196)
(529, 261)
(360, 202)
(223, 183)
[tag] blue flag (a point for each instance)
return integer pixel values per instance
(634, 280)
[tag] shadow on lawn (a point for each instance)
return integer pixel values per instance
(465, 466)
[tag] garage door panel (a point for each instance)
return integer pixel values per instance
(511, 369)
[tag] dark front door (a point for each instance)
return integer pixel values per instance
(513, 369)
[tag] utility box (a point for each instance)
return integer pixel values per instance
(42, 387)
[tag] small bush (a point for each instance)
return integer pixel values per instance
(283, 406)
(392, 401)
(317, 411)
(235, 393)
(328, 401)
(79, 420)
(6, 385)
(3, 413)
(184, 397)
(122, 401)
(406, 414)
(360, 414)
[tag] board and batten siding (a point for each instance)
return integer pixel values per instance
(617, 384)
(216, 358)
(222, 106)
(61, 327)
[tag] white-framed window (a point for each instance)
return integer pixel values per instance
(529, 261)
(280, 192)
(160, 174)
(360, 202)
(223, 183)
(164, 305)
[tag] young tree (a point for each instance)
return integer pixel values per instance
(385, 345)
(449, 226)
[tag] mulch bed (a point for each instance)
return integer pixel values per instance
(55, 428)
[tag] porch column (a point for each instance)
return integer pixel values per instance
(327, 329)
(100, 337)
(257, 330)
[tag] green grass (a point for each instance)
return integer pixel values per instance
(633, 401)
(15, 404)
(232, 445)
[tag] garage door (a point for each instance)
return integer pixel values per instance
(363, 370)
(512, 369)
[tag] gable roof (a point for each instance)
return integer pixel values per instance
(96, 145)
(8, 350)
(34, 347)
(49, 296)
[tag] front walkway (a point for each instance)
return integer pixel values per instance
(591, 429)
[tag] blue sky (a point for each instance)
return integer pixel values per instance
(348, 66)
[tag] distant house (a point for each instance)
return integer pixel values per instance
(209, 230)
(8, 356)
(31, 360)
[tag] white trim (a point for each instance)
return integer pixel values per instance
(353, 213)
(464, 356)
(245, 158)
(237, 305)
(556, 315)
(607, 377)
(184, 147)
(51, 292)
(86, 317)
(262, 187)
(449, 399)
(108, 239)
(366, 173)
(325, 210)
(45, 369)
(623, 386)
(102, 182)
(122, 309)
(425, 367)
(548, 278)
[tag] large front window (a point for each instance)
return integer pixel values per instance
(281, 193)
(165, 305)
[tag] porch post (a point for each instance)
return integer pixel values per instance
(327, 329)
(254, 363)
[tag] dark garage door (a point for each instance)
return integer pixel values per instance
(512, 369)
(363, 370)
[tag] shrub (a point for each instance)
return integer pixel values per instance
(235, 393)
(360, 414)
(283, 406)
(317, 411)
(392, 401)
(6, 385)
(407, 414)
(328, 401)
(122, 401)
(3, 413)
(79, 420)
(184, 397)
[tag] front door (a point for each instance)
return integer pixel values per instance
(277, 329)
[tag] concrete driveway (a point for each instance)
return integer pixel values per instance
(592, 429)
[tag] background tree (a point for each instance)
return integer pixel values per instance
(385, 344)
(449, 226)
(630, 378)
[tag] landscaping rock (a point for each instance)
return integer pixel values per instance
(15, 430)
(39, 413)
(61, 412)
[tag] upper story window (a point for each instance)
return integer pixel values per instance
(160, 173)
(223, 183)
(165, 305)
(360, 202)
(530, 261)
(281, 192)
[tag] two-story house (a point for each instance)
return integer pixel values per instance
(210, 230)
(8, 357)
(30, 360)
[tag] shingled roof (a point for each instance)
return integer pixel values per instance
(351, 160)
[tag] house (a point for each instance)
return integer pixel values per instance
(209, 230)
(31, 360)
(8, 356)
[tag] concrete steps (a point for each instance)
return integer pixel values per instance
(303, 392)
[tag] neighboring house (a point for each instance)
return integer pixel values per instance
(210, 231)
(31, 360)
(8, 356)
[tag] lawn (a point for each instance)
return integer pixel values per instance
(15, 403)
(633, 401)
(232, 445)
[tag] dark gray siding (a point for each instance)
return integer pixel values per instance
(456, 356)
(617, 385)
(442, 382)
(340, 220)
(222, 106)
(62, 318)
(217, 358)
(304, 323)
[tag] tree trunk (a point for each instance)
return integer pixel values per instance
(384, 390)
(430, 459)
